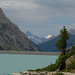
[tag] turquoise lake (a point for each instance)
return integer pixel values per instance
(11, 63)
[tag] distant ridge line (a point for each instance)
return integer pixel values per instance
(30, 52)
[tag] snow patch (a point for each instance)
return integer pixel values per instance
(49, 36)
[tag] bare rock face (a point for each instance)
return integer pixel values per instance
(69, 60)
(11, 38)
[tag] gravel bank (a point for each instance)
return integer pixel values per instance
(30, 52)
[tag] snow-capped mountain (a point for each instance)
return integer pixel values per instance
(34, 38)
(37, 39)
(49, 36)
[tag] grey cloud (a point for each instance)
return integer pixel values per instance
(37, 12)
(41, 9)
(58, 7)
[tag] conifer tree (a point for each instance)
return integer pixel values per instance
(61, 44)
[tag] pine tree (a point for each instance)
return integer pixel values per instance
(61, 44)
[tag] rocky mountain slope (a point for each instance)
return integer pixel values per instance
(37, 39)
(11, 38)
(49, 45)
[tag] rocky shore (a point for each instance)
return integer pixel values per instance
(40, 73)
(30, 73)
(30, 52)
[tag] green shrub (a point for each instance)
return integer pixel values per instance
(30, 70)
(37, 69)
(51, 67)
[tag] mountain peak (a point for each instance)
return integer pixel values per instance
(1, 10)
(28, 33)
(3, 18)
(12, 38)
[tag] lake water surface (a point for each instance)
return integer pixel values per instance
(11, 63)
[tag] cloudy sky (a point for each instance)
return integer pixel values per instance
(41, 17)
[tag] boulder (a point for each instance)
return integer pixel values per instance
(69, 60)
